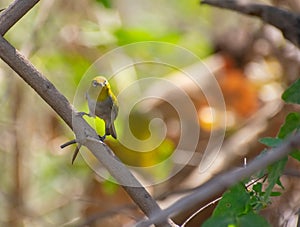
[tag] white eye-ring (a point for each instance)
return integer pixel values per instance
(94, 83)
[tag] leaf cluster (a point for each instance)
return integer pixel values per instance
(240, 205)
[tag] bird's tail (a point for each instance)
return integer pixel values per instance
(111, 131)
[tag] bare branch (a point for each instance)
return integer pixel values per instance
(68, 144)
(14, 13)
(221, 182)
(85, 135)
(287, 22)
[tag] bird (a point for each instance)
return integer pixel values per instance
(103, 103)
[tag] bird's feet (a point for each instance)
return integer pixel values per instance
(81, 114)
(102, 138)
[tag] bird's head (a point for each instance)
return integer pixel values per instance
(100, 88)
(100, 82)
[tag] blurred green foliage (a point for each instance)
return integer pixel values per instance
(62, 39)
(106, 3)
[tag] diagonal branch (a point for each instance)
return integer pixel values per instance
(287, 22)
(223, 181)
(14, 13)
(85, 135)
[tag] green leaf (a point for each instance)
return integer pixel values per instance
(257, 187)
(252, 219)
(295, 154)
(275, 194)
(234, 202)
(223, 220)
(271, 142)
(279, 182)
(274, 173)
(275, 142)
(292, 122)
(249, 220)
(292, 93)
(234, 209)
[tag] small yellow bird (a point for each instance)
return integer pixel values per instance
(103, 103)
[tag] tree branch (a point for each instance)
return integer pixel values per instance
(85, 135)
(287, 22)
(223, 181)
(14, 13)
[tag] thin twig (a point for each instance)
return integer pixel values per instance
(200, 210)
(264, 177)
(75, 153)
(68, 143)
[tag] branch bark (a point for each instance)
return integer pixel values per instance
(287, 22)
(223, 181)
(85, 135)
(14, 13)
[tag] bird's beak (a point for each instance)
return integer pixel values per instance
(103, 84)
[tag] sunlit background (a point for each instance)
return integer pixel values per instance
(250, 60)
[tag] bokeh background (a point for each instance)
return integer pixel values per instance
(251, 61)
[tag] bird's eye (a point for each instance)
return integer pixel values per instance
(94, 83)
